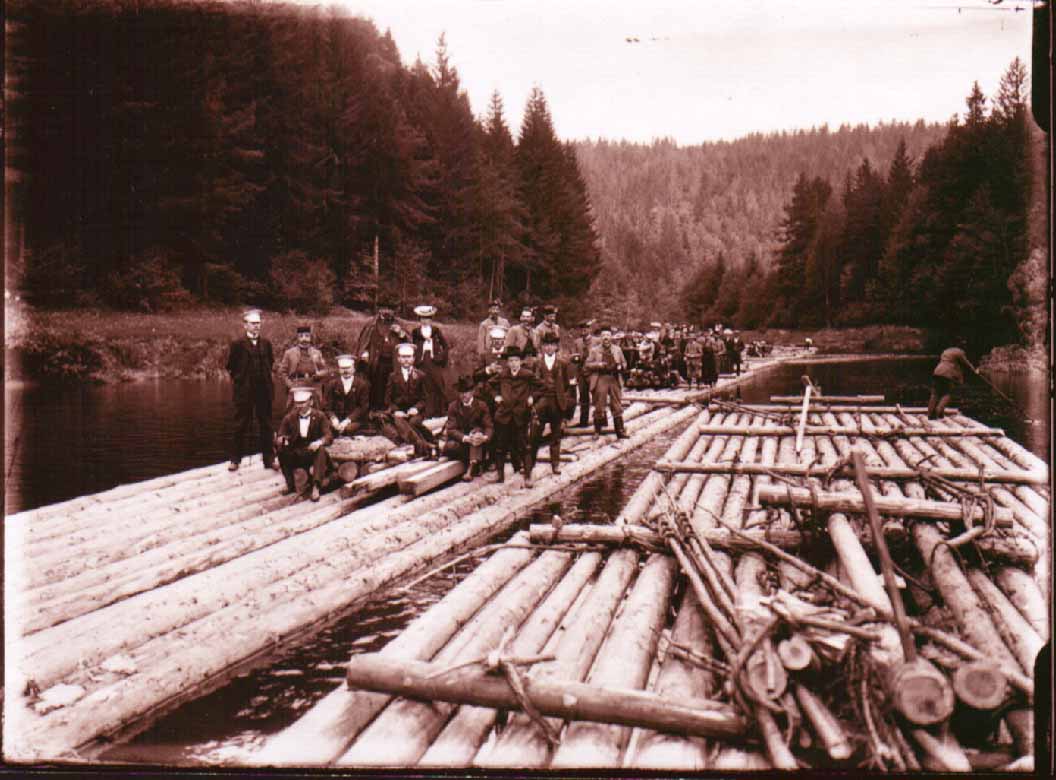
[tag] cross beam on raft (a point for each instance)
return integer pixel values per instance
(845, 430)
(1018, 476)
(556, 698)
(829, 399)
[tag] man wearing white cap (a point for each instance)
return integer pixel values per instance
(489, 323)
(346, 398)
(430, 356)
(489, 365)
(249, 362)
(304, 435)
(404, 398)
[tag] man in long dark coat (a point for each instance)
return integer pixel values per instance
(376, 347)
(554, 398)
(249, 362)
(514, 388)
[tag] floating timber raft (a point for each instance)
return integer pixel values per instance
(725, 622)
(123, 605)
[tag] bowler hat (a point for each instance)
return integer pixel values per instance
(304, 328)
(551, 338)
(512, 351)
(465, 384)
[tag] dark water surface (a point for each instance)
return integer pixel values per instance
(72, 441)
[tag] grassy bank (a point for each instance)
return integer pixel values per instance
(107, 346)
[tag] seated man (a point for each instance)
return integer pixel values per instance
(304, 434)
(468, 428)
(346, 398)
(404, 401)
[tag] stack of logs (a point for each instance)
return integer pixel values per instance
(787, 647)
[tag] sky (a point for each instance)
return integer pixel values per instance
(706, 70)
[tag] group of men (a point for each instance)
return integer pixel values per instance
(520, 395)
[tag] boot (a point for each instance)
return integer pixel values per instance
(617, 423)
(599, 423)
(584, 420)
(528, 474)
(500, 468)
(555, 457)
(315, 492)
(471, 470)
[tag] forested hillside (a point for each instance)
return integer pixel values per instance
(914, 224)
(165, 152)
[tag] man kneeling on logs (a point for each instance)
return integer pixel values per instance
(401, 421)
(303, 437)
(346, 398)
(468, 428)
(514, 389)
(556, 381)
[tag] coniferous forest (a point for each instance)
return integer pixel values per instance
(166, 153)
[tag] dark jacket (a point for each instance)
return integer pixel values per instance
(515, 392)
(318, 428)
(463, 420)
(561, 377)
(240, 359)
(353, 405)
(401, 396)
(378, 340)
(440, 348)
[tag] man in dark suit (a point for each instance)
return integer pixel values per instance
(376, 348)
(467, 429)
(404, 401)
(430, 357)
(514, 387)
(554, 398)
(346, 398)
(304, 435)
(249, 362)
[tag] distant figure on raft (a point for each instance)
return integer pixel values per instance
(947, 373)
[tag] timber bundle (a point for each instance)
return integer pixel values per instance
(792, 585)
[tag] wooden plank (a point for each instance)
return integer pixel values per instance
(817, 407)
(828, 399)
(822, 430)
(803, 418)
(424, 481)
(1014, 476)
(564, 699)
(888, 505)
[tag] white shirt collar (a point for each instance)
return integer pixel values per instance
(550, 359)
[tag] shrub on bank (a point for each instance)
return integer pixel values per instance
(150, 284)
(305, 284)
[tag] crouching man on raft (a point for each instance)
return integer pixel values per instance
(303, 437)
(467, 429)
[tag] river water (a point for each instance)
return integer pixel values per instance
(64, 442)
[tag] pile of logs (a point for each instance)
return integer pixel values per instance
(760, 602)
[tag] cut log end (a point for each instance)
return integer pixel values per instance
(795, 653)
(922, 693)
(980, 685)
(348, 471)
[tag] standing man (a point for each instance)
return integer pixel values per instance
(514, 388)
(548, 325)
(953, 362)
(404, 399)
(346, 398)
(249, 362)
(580, 347)
(693, 354)
(554, 398)
(304, 435)
(467, 429)
(303, 366)
(606, 363)
(376, 347)
(430, 356)
(520, 335)
(492, 321)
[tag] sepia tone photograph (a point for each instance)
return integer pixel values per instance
(541, 386)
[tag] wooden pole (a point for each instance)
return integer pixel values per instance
(564, 699)
(824, 723)
(803, 418)
(813, 430)
(799, 469)
(1019, 635)
(828, 399)
(463, 735)
(888, 505)
(1023, 592)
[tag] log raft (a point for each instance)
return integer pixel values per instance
(227, 587)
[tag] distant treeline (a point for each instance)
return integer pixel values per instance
(169, 151)
(909, 224)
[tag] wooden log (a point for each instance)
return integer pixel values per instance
(803, 418)
(400, 735)
(678, 678)
(424, 481)
(940, 755)
(921, 692)
(828, 399)
(348, 471)
(917, 412)
(1019, 635)
(463, 735)
(360, 448)
(325, 731)
(798, 469)
(815, 430)
(795, 653)
(1023, 592)
(566, 699)
(379, 480)
(888, 505)
(624, 661)
(522, 743)
(765, 673)
(825, 725)
(980, 684)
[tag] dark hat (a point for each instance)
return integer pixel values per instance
(602, 326)
(551, 338)
(495, 302)
(583, 324)
(304, 328)
(385, 303)
(465, 383)
(512, 351)
(548, 309)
